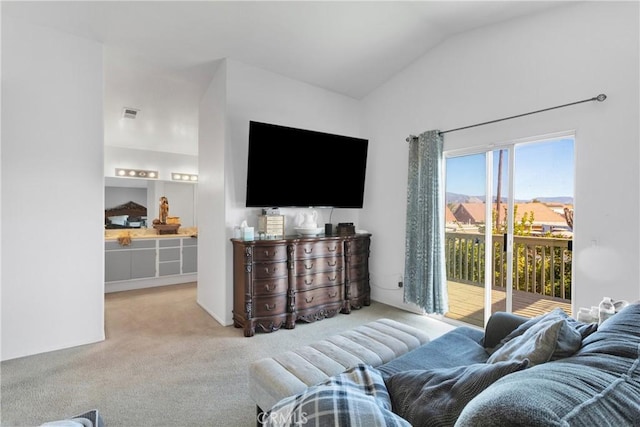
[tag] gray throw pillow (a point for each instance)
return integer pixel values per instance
(435, 397)
(567, 340)
(548, 337)
(585, 329)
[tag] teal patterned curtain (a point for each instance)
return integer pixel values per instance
(424, 270)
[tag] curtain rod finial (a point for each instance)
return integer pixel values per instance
(601, 97)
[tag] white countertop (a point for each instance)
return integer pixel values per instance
(149, 233)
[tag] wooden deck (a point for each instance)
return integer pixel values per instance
(466, 303)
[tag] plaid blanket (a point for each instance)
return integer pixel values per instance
(356, 398)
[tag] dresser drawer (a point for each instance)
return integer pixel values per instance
(358, 259)
(270, 270)
(318, 249)
(319, 297)
(269, 306)
(357, 246)
(269, 253)
(358, 289)
(316, 265)
(311, 281)
(270, 286)
(358, 273)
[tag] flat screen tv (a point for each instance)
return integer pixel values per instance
(291, 167)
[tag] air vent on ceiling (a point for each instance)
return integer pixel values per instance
(130, 113)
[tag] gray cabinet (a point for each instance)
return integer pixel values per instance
(150, 258)
(143, 263)
(169, 257)
(117, 265)
(136, 261)
(189, 256)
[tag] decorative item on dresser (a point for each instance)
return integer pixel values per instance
(272, 226)
(277, 282)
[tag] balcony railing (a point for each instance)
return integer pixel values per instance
(541, 265)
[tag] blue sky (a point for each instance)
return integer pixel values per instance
(542, 169)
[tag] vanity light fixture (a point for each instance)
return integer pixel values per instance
(136, 173)
(184, 177)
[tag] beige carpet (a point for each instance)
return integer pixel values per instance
(165, 362)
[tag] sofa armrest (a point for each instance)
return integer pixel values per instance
(500, 325)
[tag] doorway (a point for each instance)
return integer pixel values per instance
(509, 229)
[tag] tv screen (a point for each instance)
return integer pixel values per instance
(291, 167)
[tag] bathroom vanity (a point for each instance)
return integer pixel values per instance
(149, 260)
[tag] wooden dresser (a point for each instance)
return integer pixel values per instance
(357, 290)
(278, 282)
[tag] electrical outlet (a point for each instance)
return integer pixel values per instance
(400, 284)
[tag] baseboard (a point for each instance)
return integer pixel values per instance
(405, 307)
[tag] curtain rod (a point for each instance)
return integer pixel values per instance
(598, 98)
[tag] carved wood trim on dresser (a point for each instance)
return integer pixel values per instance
(358, 290)
(278, 282)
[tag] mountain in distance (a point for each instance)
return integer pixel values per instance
(451, 198)
(462, 198)
(565, 200)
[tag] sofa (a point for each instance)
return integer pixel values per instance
(547, 371)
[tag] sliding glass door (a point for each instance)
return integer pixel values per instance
(509, 227)
(465, 246)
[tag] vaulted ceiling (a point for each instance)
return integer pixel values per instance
(346, 47)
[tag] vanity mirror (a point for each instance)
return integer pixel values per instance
(133, 202)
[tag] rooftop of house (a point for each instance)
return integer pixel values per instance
(475, 213)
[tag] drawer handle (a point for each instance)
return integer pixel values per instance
(332, 279)
(308, 300)
(269, 287)
(308, 282)
(266, 270)
(266, 253)
(270, 308)
(308, 250)
(335, 248)
(334, 295)
(332, 265)
(308, 267)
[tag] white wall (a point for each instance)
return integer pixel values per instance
(213, 293)
(259, 95)
(254, 94)
(52, 161)
(553, 58)
(167, 100)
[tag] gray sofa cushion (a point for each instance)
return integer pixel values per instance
(499, 325)
(459, 347)
(435, 397)
(585, 329)
(550, 337)
(598, 386)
